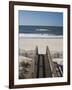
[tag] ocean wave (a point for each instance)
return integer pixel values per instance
(41, 35)
(42, 30)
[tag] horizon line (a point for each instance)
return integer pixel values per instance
(40, 25)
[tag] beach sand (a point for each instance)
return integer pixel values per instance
(54, 44)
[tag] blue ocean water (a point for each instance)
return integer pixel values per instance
(50, 30)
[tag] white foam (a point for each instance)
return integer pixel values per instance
(40, 35)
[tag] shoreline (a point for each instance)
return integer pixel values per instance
(46, 36)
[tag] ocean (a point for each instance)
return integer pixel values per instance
(41, 30)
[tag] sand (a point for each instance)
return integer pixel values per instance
(54, 44)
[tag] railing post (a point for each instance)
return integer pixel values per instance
(35, 61)
(36, 50)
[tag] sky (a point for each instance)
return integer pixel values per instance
(40, 18)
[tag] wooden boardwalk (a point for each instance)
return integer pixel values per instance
(41, 66)
(45, 67)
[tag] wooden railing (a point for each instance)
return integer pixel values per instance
(35, 62)
(50, 67)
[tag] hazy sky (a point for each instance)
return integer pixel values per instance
(40, 18)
